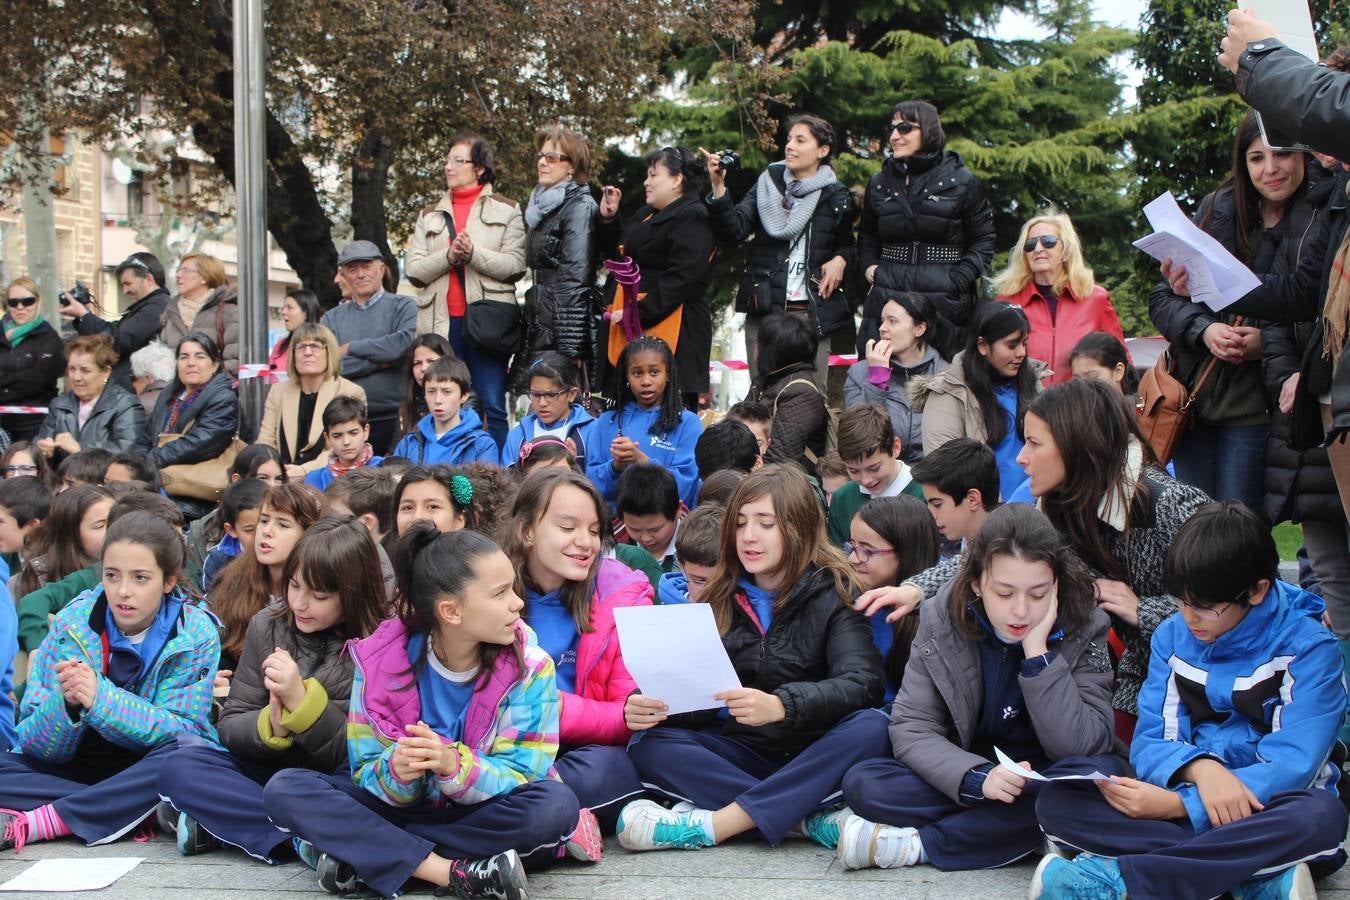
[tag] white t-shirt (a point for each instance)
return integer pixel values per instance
(796, 272)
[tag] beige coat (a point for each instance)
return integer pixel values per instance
(217, 319)
(948, 407)
(498, 232)
(281, 418)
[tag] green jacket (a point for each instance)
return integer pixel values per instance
(639, 560)
(37, 607)
(846, 502)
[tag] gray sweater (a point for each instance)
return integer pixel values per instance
(378, 335)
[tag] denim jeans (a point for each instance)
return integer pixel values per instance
(488, 374)
(1226, 462)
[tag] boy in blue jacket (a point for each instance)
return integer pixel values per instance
(1237, 789)
(451, 433)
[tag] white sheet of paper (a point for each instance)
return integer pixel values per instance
(1293, 23)
(1218, 278)
(74, 874)
(675, 654)
(1007, 762)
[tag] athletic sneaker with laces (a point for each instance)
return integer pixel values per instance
(336, 876)
(192, 838)
(823, 826)
(1295, 883)
(647, 825)
(308, 853)
(863, 844)
(1085, 877)
(13, 829)
(586, 843)
(500, 877)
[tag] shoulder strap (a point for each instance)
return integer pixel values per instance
(779, 396)
(1205, 373)
(220, 324)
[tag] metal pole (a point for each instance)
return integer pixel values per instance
(250, 157)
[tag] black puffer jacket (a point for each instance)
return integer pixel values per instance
(799, 416)
(932, 200)
(560, 252)
(1296, 95)
(139, 325)
(207, 424)
(817, 657)
(28, 376)
(829, 233)
(322, 743)
(1299, 484)
(115, 424)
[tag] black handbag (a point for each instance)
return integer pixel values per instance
(495, 327)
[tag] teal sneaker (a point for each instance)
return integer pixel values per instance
(1292, 884)
(823, 826)
(646, 825)
(308, 853)
(1083, 878)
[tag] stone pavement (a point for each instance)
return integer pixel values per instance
(739, 870)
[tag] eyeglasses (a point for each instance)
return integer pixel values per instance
(863, 553)
(546, 396)
(1046, 240)
(902, 126)
(552, 157)
(187, 270)
(456, 161)
(310, 348)
(20, 470)
(1214, 613)
(21, 302)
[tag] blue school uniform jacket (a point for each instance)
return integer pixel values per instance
(1265, 699)
(466, 442)
(9, 648)
(578, 425)
(674, 449)
(172, 698)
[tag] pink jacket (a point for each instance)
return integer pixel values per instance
(279, 357)
(594, 714)
(1050, 342)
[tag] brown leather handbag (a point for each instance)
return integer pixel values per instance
(1164, 405)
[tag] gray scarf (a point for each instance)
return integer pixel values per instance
(544, 200)
(784, 214)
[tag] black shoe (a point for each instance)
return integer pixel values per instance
(499, 877)
(336, 876)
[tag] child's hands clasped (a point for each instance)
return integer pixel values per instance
(641, 713)
(625, 452)
(1002, 785)
(424, 751)
(79, 683)
(751, 707)
(274, 714)
(281, 676)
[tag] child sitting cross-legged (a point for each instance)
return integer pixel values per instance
(1236, 789)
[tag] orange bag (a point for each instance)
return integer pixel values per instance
(668, 329)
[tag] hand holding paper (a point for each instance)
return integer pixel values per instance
(675, 654)
(1216, 277)
(1006, 762)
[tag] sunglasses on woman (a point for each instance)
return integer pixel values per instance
(902, 126)
(21, 302)
(1046, 240)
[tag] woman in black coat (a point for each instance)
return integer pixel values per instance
(785, 383)
(801, 219)
(200, 404)
(671, 242)
(31, 359)
(560, 248)
(926, 224)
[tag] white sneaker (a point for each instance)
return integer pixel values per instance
(647, 825)
(863, 844)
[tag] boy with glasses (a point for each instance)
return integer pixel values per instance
(1237, 790)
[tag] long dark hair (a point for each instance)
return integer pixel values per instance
(445, 476)
(1246, 199)
(336, 555)
(924, 311)
(414, 405)
(249, 460)
(925, 115)
(57, 540)
(1106, 350)
(308, 301)
(992, 323)
(1023, 532)
(672, 401)
(1093, 429)
(905, 523)
(785, 341)
(429, 564)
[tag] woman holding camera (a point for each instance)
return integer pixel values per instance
(672, 246)
(926, 224)
(30, 358)
(802, 221)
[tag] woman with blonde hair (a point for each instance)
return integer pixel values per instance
(31, 360)
(207, 303)
(1047, 277)
(292, 421)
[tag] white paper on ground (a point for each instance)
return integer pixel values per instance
(1217, 278)
(75, 874)
(675, 654)
(1007, 762)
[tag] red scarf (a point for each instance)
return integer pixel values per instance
(337, 468)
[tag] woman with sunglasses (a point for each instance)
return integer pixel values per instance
(467, 248)
(560, 250)
(926, 224)
(1047, 277)
(31, 360)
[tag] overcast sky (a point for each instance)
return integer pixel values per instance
(1121, 13)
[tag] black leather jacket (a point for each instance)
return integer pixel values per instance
(116, 422)
(207, 424)
(560, 252)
